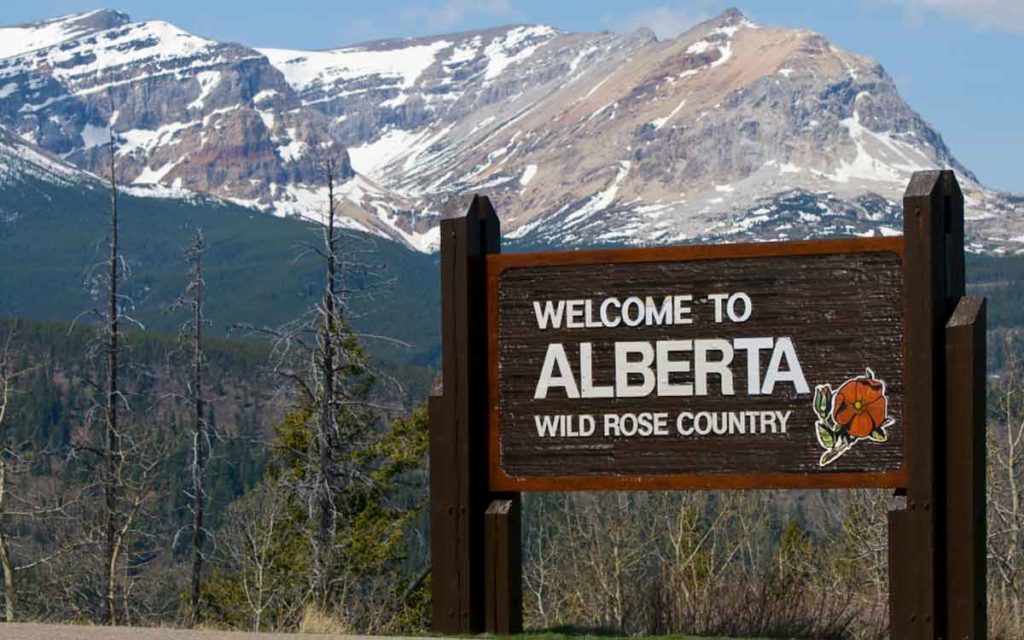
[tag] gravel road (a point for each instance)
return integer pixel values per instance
(22, 631)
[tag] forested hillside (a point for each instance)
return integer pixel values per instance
(51, 400)
(260, 270)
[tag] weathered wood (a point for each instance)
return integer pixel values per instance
(906, 551)
(933, 282)
(839, 301)
(458, 424)
(443, 522)
(503, 566)
(965, 472)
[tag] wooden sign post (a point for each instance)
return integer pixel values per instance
(937, 544)
(816, 364)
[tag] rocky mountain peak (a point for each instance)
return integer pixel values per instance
(99, 20)
(727, 22)
(730, 17)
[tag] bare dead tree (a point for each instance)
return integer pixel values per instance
(125, 466)
(255, 555)
(327, 433)
(113, 454)
(257, 530)
(193, 298)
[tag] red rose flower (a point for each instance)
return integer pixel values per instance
(859, 406)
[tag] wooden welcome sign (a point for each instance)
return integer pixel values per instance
(731, 366)
(815, 364)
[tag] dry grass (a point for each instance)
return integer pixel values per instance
(316, 621)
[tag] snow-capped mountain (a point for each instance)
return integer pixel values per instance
(730, 131)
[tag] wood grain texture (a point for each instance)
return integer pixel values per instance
(933, 280)
(503, 567)
(840, 302)
(965, 468)
(458, 425)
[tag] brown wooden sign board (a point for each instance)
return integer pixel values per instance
(730, 366)
(821, 364)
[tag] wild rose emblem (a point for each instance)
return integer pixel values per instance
(857, 410)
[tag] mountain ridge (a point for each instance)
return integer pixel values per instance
(577, 137)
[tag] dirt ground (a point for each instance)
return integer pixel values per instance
(24, 631)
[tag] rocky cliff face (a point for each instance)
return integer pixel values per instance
(731, 131)
(185, 111)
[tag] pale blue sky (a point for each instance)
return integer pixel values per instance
(960, 63)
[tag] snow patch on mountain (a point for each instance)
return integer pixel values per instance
(154, 176)
(369, 158)
(397, 151)
(303, 69)
(208, 81)
(145, 140)
(719, 39)
(19, 159)
(879, 157)
(93, 136)
(516, 46)
(19, 40)
(602, 199)
(658, 123)
(528, 173)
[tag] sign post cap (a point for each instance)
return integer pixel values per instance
(925, 183)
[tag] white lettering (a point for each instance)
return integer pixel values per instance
(592, 322)
(783, 419)
(753, 347)
(747, 307)
(549, 314)
(682, 311)
(587, 388)
(718, 299)
(546, 425)
(637, 317)
(656, 316)
(574, 317)
(605, 320)
(684, 430)
(667, 367)
(702, 366)
(624, 367)
(784, 351)
(556, 357)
